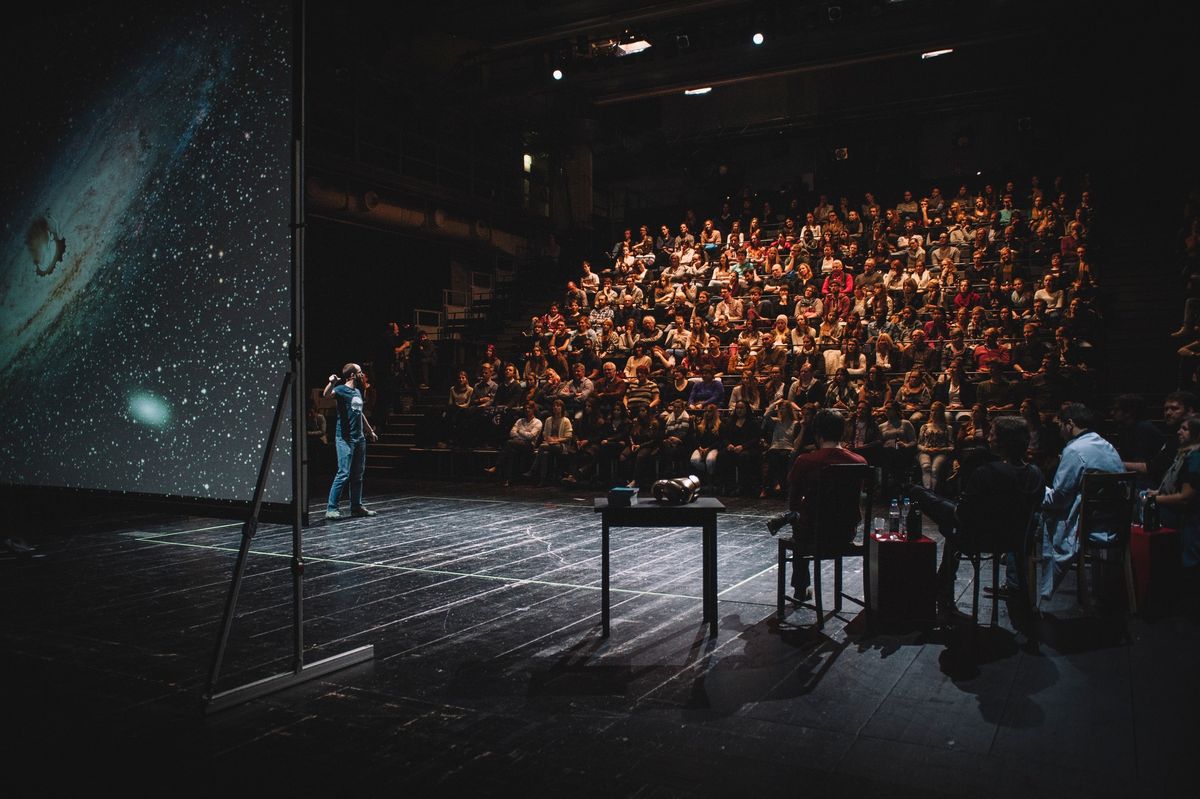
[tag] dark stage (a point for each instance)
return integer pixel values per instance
(491, 677)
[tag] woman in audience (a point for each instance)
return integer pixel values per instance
(748, 391)
(613, 439)
(589, 430)
(708, 444)
(914, 394)
(638, 359)
(535, 365)
(972, 437)
(780, 426)
(664, 291)
(740, 446)
(840, 393)
(876, 389)
(645, 440)
(934, 446)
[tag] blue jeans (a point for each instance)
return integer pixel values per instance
(351, 460)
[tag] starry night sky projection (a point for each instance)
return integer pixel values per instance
(145, 251)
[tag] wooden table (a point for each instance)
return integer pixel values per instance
(702, 513)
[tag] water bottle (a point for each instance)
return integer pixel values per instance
(904, 518)
(894, 517)
(913, 515)
(1150, 515)
(1139, 510)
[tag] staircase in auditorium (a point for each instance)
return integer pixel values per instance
(409, 441)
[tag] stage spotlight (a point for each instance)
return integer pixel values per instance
(936, 53)
(557, 74)
(757, 38)
(695, 92)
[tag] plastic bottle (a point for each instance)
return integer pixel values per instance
(894, 517)
(904, 518)
(1150, 515)
(913, 515)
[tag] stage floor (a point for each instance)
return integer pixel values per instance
(490, 675)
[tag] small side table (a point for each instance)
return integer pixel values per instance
(904, 579)
(1156, 567)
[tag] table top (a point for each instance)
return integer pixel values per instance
(1137, 529)
(885, 540)
(653, 505)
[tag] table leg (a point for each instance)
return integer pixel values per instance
(604, 579)
(710, 576)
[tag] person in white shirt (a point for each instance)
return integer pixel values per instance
(520, 445)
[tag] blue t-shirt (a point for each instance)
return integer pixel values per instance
(349, 413)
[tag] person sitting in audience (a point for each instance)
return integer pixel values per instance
(934, 447)
(992, 350)
(645, 438)
(677, 439)
(740, 448)
(973, 432)
(589, 428)
(780, 427)
(747, 390)
(898, 453)
(521, 443)
(840, 393)
(995, 393)
(642, 391)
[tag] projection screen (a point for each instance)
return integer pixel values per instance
(145, 313)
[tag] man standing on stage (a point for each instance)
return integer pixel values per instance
(349, 438)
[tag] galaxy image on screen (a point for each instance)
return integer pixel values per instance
(144, 260)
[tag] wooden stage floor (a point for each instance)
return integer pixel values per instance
(490, 676)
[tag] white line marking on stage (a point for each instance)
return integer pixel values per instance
(748, 579)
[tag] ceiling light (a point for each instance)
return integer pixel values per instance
(635, 46)
(694, 92)
(557, 74)
(935, 53)
(757, 38)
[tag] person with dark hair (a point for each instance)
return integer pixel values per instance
(803, 479)
(995, 505)
(1177, 406)
(1138, 440)
(350, 439)
(1085, 450)
(1178, 493)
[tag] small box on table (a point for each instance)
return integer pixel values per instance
(622, 497)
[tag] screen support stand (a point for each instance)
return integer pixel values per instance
(292, 391)
(300, 672)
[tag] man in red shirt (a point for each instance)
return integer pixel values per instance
(802, 482)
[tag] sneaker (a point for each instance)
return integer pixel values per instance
(363, 512)
(777, 523)
(333, 514)
(1002, 592)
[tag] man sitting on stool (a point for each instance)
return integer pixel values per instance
(995, 505)
(803, 479)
